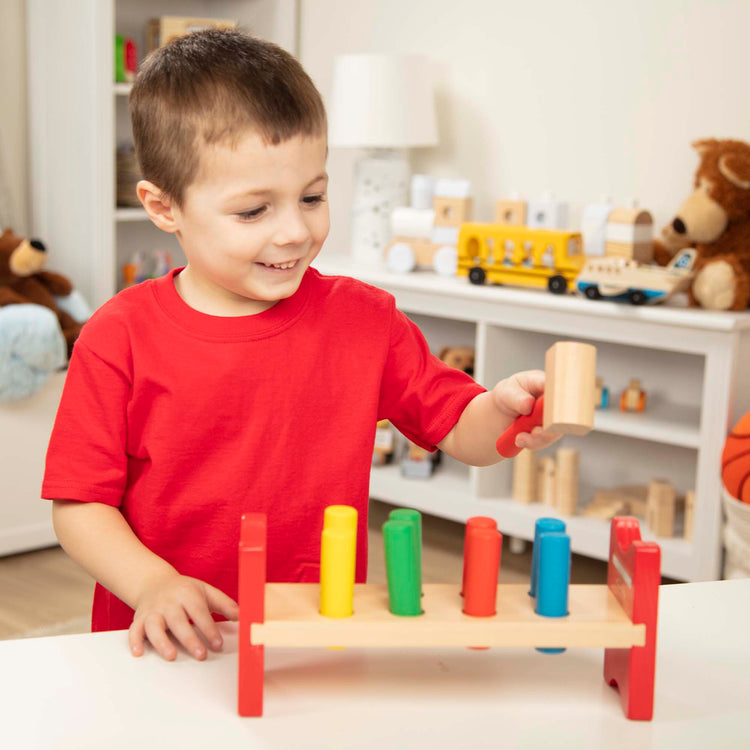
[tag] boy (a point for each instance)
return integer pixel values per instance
(246, 381)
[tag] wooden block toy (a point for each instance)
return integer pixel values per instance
(567, 406)
(401, 553)
(619, 617)
(338, 553)
(601, 399)
(414, 517)
(511, 212)
(594, 227)
(474, 523)
(542, 526)
(633, 576)
(422, 191)
(525, 477)
(633, 397)
(566, 481)
(660, 508)
(553, 578)
(630, 234)
(629, 500)
(482, 552)
(547, 213)
(547, 482)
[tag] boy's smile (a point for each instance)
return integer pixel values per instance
(251, 223)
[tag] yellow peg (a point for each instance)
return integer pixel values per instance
(338, 552)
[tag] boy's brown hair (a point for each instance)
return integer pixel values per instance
(210, 87)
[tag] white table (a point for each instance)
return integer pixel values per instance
(86, 691)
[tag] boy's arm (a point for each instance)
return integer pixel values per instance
(473, 437)
(100, 540)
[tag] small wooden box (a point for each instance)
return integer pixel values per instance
(161, 31)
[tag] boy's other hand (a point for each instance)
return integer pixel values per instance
(515, 396)
(167, 605)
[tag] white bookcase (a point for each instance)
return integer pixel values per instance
(695, 367)
(79, 115)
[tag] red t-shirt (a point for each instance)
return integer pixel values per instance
(184, 421)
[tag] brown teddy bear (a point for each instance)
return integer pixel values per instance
(715, 220)
(22, 280)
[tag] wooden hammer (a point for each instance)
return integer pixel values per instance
(570, 387)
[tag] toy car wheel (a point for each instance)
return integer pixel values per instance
(445, 261)
(637, 297)
(557, 285)
(477, 275)
(401, 258)
(592, 292)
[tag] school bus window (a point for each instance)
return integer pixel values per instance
(574, 246)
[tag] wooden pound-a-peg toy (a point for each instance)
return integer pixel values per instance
(567, 406)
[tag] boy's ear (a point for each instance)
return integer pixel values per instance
(159, 207)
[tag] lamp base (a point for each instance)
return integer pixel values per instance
(381, 183)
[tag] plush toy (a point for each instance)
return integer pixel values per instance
(715, 220)
(22, 280)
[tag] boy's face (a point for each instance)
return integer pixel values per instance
(251, 223)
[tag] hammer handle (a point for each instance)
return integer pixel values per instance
(506, 443)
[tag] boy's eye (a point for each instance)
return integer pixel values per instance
(313, 200)
(254, 214)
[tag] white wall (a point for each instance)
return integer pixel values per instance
(13, 142)
(583, 98)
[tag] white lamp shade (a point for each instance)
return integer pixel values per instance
(382, 101)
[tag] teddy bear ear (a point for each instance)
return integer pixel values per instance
(704, 145)
(736, 168)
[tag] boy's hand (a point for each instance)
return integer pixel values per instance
(515, 396)
(168, 604)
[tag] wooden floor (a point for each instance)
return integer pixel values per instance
(46, 593)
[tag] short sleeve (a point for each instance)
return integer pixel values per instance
(421, 395)
(86, 456)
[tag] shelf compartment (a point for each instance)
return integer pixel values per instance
(667, 423)
(449, 495)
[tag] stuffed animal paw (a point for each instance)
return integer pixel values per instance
(713, 286)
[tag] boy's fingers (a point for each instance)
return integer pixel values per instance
(135, 638)
(185, 633)
(220, 603)
(202, 620)
(157, 635)
(531, 382)
(517, 395)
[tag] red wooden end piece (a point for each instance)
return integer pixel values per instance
(506, 443)
(633, 576)
(252, 582)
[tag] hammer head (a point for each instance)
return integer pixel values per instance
(570, 388)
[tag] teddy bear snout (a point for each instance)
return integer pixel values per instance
(27, 259)
(38, 245)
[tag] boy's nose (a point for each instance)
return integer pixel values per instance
(292, 229)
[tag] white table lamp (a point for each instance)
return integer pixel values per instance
(384, 104)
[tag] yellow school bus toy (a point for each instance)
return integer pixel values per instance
(519, 255)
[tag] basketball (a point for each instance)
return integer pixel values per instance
(735, 461)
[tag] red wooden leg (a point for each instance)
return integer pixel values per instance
(634, 575)
(252, 581)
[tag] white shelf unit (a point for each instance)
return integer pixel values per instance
(79, 115)
(694, 366)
